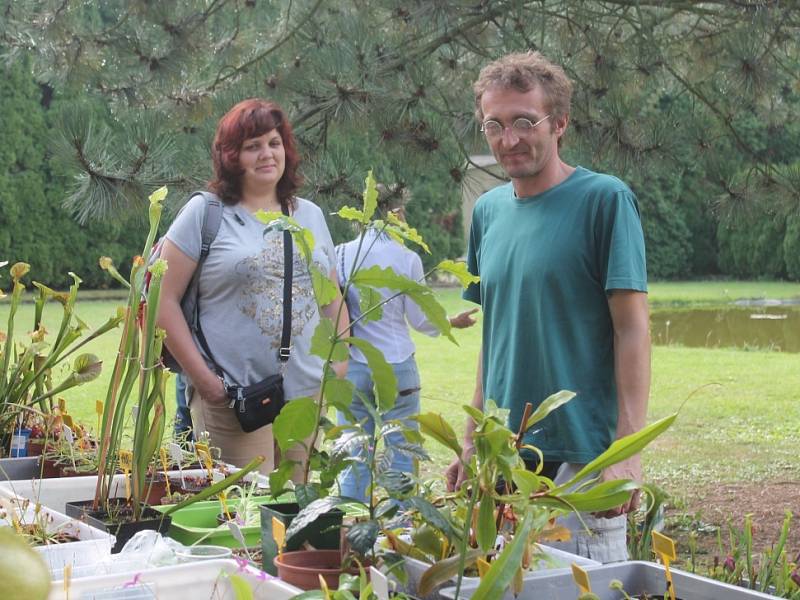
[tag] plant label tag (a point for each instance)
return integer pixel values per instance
(66, 431)
(664, 546)
(68, 422)
(483, 568)
(380, 585)
(98, 408)
(217, 476)
(581, 579)
(175, 453)
(62, 405)
(278, 533)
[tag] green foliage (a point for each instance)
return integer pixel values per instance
(750, 249)
(791, 247)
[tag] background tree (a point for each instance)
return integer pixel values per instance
(694, 103)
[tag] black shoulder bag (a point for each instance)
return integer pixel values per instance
(259, 404)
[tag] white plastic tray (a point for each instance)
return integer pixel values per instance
(94, 545)
(207, 579)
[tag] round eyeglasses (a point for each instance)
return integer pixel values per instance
(521, 127)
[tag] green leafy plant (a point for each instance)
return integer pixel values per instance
(522, 514)
(138, 372)
(27, 369)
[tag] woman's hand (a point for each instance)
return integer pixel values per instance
(463, 319)
(212, 390)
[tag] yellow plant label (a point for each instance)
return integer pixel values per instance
(204, 454)
(98, 408)
(664, 546)
(67, 419)
(162, 452)
(581, 579)
(278, 533)
(62, 405)
(483, 568)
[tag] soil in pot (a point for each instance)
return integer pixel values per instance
(120, 521)
(61, 537)
(302, 568)
(82, 471)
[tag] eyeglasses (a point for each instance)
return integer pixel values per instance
(521, 127)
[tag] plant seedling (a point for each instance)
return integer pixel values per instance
(581, 578)
(664, 547)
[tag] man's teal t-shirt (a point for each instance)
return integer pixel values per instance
(547, 264)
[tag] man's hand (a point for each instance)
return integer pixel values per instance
(463, 319)
(454, 474)
(630, 468)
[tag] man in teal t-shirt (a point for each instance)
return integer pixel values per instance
(560, 253)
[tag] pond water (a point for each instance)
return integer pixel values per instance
(762, 327)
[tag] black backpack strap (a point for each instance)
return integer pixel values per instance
(288, 270)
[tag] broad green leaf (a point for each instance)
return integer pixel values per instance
(362, 536)
(351, 214)
(487, 527)
(434, 425)
(476, 414)
(399, 229)
(241, 588)
(459, 270)
(603, 496)
(497, 580)
(324, 288)
(280, 476)
(444, 571)
(527, 483)
(296, 421)
(383, 375)
(548, 405)
(339, 393)
(396, 483)
(369, 300)
(370, 197)
(622, 449)
(312, 512)
(431, 515)
(324, 343)
(306, 493)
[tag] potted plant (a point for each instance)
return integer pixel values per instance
(138, 372)
(26, 368)
(303, 418)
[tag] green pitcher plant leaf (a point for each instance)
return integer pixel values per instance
(459, 270)
(501, 572)
(296, 421)
(434, 425)
(486, 532)
(382, 373)
(548, 405)
(621, 449)
(444, 570)
(86, 368)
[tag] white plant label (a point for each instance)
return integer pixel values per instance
(67, 433)
(380, 585)
(175, 453)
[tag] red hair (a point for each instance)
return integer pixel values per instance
(249, 119)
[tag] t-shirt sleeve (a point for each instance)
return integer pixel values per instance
(186, 230)
(473, 290)
(623, 262)
(322, 238)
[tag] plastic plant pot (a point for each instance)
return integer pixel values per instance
(19, 442)
(303, 568)
(118, 522)
(203, 552)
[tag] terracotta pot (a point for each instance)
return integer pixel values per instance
(35, 446)
(50, 468)
(302, 568)
(156, 489)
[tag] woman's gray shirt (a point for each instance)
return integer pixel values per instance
(240, 293)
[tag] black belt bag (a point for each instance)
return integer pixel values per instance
(258, 404)
(248, 402)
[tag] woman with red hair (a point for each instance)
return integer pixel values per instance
(240, 291)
